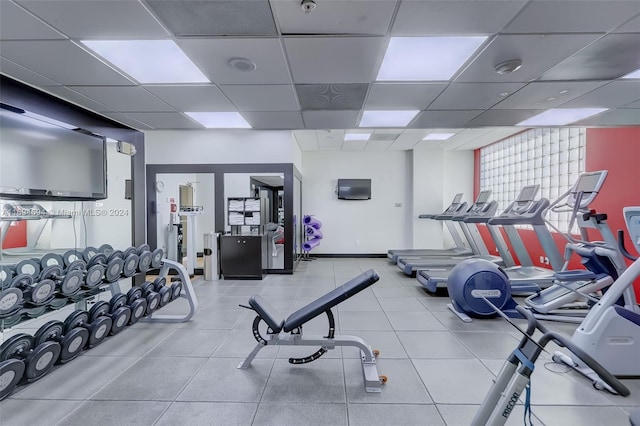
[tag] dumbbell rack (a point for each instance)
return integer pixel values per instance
(25, 359)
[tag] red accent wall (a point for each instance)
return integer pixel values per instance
(16, 235)
(618, 151)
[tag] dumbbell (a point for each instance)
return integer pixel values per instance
(11, 372)
(92, 276)
(176, 290)
(105, 249)
(69, 283)
(71, 341)
(137, 303)
(156, 258)
(35, 292)
(38, 359)
(112, 268)
(153, 297)
(160, 286)
(99, 326)
(146, 257)
(119, 312)
(131, 259)
(10, 297)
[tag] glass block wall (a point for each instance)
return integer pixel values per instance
(550, 157)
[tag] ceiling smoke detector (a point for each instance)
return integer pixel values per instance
(507, 67)
(242, 64)
(308, 6)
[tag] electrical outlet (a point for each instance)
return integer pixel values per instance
(541, 259)
(398, 204)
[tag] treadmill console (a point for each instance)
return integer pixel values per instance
(589, 184)
(524, 199)
(632, 218)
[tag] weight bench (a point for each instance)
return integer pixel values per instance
(293, 326)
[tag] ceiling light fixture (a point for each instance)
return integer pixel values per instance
(562, 92)
(387, 118)
(149, 61)
(507, 67)
(438, 136)
(561, 116)
(220, 120)
(426, 58)
(357, 136)
(551, 99)
(633, 74)
(242, 64)
(504, 94)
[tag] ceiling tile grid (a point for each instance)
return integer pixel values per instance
(282, 68)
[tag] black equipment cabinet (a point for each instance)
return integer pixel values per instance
(244, 256)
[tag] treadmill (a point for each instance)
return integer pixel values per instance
(526, 278)
(410, 265)
(456, 206)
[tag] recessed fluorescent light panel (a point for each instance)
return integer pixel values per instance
(220, 120)
(633, 74)
(560, 116)
(149, 61)
(356, 136)
(426, 58)
(438, 136)
(387, 118)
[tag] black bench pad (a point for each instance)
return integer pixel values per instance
(268, 313)
(330, 299)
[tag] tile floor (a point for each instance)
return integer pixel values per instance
(439, 368)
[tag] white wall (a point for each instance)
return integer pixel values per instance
(362, 226)
(457, 176)
(218, 146)
(297, 155)
(427, 194)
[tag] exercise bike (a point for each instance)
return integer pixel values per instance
(515, 375)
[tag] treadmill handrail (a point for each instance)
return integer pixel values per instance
(533, 215)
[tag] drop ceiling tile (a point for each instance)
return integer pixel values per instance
(612, 95)
(378, 145)
(608, 58)
(262, 97)
(491, 136)
(193, 98)
(428, 144)
(209, 18)
(572, 16)
(17, 24)
(385, 136)
(335, 17)
(126, 120)
(212, 57)
(614, 117)
(337, 96)
(390, 96)
(409, 138)
(274, 119)
(538, 54)
(453, 17)
(333, 137)
(333, 59)
(502, 117)
(473, 95)
(330, 119)
(97, 19)
(632, 26)
(402, 145)
(354, 145)
(308, 145)
(62, 61)
(21, 73)
(165, 120)
(78, 99)
(124, 98)
(546, 94)
(451, 118)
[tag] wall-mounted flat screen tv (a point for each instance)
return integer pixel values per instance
(354, 189)
(45, 159)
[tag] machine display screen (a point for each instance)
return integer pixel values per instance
(457, 198)
(42, 159)
(483, 197)
(589, 184)
(528, 193)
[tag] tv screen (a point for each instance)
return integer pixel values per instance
(354, 189)
(44, 159)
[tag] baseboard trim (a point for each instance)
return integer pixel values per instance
(348, 255)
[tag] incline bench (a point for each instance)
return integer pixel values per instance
(293, 326)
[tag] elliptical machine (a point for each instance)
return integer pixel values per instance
(610, 333)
